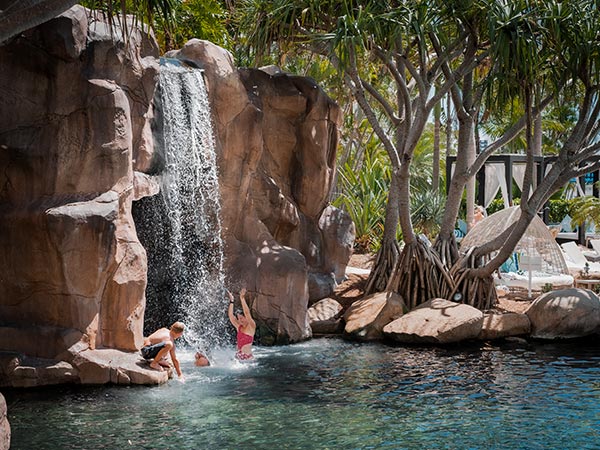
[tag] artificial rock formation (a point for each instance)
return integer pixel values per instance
(276, 138)
(437, 321)
(565, 314)
(366, 318)
(324, 317)
(74, 119)
(76, 147)
(499, 326)
(4, 426)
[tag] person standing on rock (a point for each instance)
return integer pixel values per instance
(244, 325)
(159, 344)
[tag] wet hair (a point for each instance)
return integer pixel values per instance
(200, 355)
(178, 327)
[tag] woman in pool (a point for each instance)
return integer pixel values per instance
(244, 325)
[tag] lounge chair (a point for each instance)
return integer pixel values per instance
(596, 246)
(518, 283)
(576, 260)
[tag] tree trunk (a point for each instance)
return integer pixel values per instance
(437, 110)
(420, 275)
(389, 252)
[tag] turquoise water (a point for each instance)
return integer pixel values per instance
(331, 394)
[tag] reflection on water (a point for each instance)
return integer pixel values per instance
(332, 394)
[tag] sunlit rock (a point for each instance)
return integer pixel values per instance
(366, 318)
(116, 367)
(324, 317)
(564, 314)
(437, 321)
(498, 326)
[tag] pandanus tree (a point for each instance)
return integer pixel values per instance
(539, 48)
(524, 51)
(385, 56)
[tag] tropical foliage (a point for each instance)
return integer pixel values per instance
(363, 195)
(201, 19)
(585, 210)
(427, 211)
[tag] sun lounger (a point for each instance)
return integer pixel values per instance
(596, 245)
(518, 283)
(576, 260)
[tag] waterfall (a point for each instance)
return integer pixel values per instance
(180, 227)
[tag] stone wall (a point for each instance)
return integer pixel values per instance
(4, 426)
(74, 119)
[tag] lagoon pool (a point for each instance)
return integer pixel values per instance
(332, 394)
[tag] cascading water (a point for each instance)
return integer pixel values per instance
(180, 227)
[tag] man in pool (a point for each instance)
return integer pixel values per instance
(159, 344)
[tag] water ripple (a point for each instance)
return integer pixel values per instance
(329, 394)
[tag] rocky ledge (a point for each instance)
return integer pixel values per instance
(99, 366)
(560, 314)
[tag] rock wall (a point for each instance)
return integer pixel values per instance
(74, 119)
(277, 137)
(75, 141)
(4, 426)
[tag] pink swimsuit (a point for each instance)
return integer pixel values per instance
(243, 339)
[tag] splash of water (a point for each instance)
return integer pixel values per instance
(183, 240)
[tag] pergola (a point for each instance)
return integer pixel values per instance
(509, 164)
(499, 172)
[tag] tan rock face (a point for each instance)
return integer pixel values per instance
(565, 314)
(366, 318)
(498, 326)
(437, 321)
(324, 317)
(75, 141)
(4, 426)
(276, 144)
(73, 113)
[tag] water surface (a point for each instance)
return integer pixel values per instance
(331, 394)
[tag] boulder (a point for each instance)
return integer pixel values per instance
(499, 326)
(84, 367)
(366, 318)
(324, 317)
(116, 367)
(4, 425)
(564, 314)
(320, 285)
(338, 233)
(19, 370)
(437, 321)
